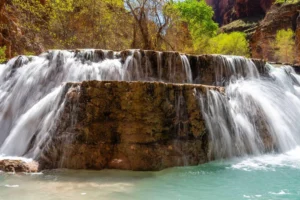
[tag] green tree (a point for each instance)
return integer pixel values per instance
(285, 45)
(150, 23)
(234, 43)
(198, 15)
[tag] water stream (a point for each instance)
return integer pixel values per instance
(31, 91)
(268, 177)
(254, 125)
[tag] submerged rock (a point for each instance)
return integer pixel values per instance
(8, 165)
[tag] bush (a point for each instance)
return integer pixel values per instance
(2, 54)
(234, 43)
(284, 46)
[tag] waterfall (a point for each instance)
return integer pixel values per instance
(187, 68)
(231, 68)
(256, 114)
(32, 89)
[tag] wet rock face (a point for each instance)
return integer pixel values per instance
(279, 17)
(129, 125)
(17, 166)
(227, 11)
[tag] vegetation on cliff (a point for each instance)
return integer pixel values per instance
(234, 43)
(2, 54)
(285, 45)
(38, 25)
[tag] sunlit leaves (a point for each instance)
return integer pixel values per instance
(234, 43)
(284, 45)
(2, 54)
(198, 15)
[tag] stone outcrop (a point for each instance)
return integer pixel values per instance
(16, 166)
(246, 25)
(227, 11)
(130, 126)
(280, 16)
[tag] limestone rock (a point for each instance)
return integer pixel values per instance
(7, 165)
(129, 125)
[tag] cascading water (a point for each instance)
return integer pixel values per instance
(231, 68)
(256, 114)
(31, 94)
(187, 68)
(31, 91)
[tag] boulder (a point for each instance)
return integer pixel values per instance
(16, 166)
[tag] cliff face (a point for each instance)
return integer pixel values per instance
(227, 11)
(284, 16)
(129, 125)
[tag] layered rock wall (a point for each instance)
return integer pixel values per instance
(129, 125)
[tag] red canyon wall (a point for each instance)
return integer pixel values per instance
(227, 11)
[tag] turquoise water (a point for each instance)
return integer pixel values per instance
(267, 177)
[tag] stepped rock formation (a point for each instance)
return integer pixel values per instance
(97, 109)
(283, 16)
(227, 11)
(144, 110)
(129, 125)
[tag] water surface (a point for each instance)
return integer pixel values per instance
(267, 177)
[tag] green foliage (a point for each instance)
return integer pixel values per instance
(284, 45)
(2, 54)
(32, 14)
(198, 15)
(286, 1)
(181, 25)
(234, 43)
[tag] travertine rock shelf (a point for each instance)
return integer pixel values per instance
(129, 125)
(133, 109)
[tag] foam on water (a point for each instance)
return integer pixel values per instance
(27, 160)
(290, 159)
